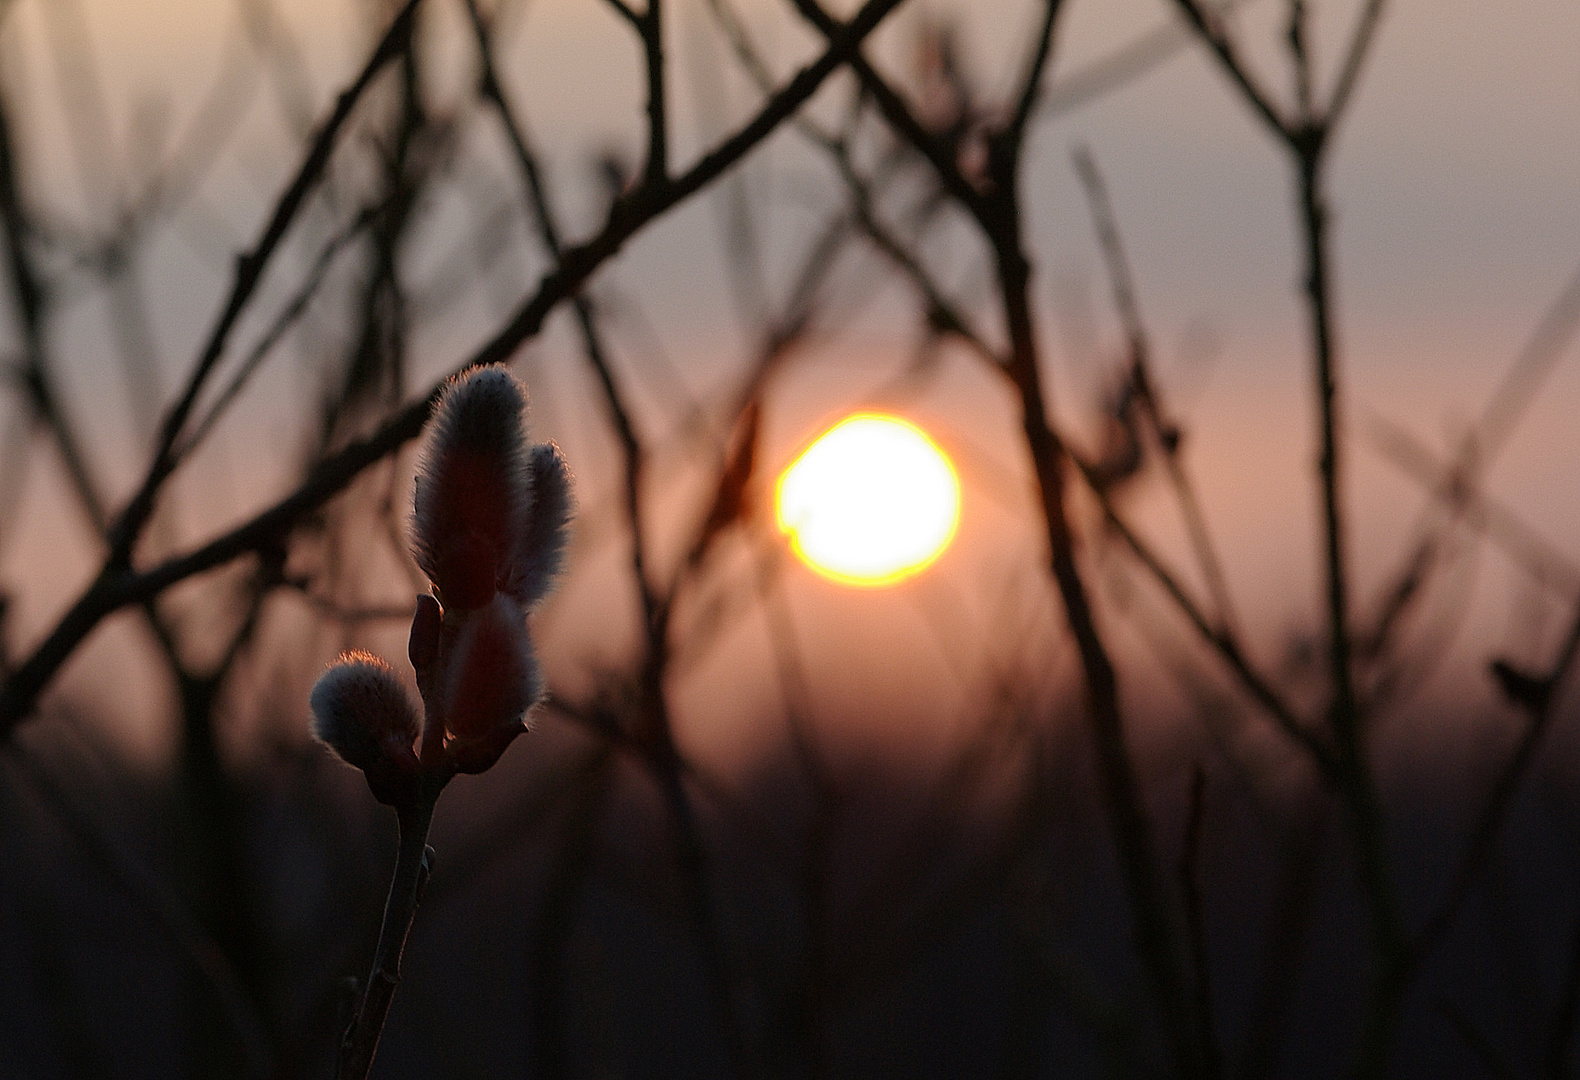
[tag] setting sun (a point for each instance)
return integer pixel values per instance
(871, 501)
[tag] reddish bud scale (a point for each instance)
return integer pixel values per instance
(493, 676)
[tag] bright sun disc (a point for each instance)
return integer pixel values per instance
(871, 501)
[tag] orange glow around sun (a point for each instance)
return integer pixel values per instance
(873, 500)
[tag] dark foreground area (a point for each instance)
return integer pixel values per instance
(970, 923)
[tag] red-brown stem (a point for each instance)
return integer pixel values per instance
(361, 1040)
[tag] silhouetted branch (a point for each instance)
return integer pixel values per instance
(1166, 433)
(413, 865)
(1536, 696)
(1561, 1032)
(997, 211)
(191, 941)
(1454, 487)
(1190, 879)
(31, 299)
(288, 317)
(116, 585)
(1306, 138)
(1209, 24)
(249, 273)
(1354, 60)
(1527, 548)
(1300, 59)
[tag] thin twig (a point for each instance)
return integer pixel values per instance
(1306, 139)
(249, 273)
(188, 936)
(1165, 432)
(1354, 60)
(1209, 24)
(117, 586)
(1537, 696)
(996, 209)
(1544, 561)
(1190, 883)
(288, 317)
(1561, 1031)
(413, 864)
(1454, 484)
(31, 301)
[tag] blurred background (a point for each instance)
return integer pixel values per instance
(770, 824)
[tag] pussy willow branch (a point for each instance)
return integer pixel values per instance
(118, 585)
(1222, 639)
(1306, 138)
(1125, 302)
(249, 273)
(997, 212)
(412, 866)
(31, 301)
(1517, 390)
(1540, 705)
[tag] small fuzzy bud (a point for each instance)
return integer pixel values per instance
(364, 714)
(540, 545)
(492, 680)
(473, 486)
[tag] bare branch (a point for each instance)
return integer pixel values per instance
(899, 114)
(1536, 695)
(1354, 60)
(1227, 647)
(1190, 883)
(628, 13)
(191, 941)
(1165, 432)
(118, 586)
(249, 272)
(1210, 25)
(31, 300)
(1300, 58)
(1014, 132)
(288, 317)
(1534, 554)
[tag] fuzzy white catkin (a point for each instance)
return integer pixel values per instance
(359, 707)
(540, 547)
(473, 494)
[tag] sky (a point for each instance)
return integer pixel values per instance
(1454, 188)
